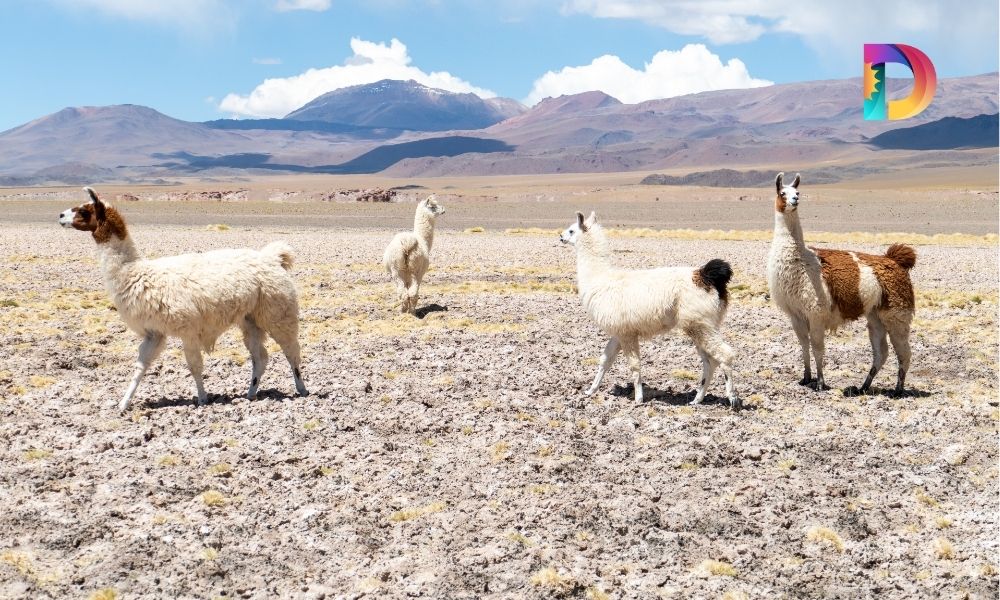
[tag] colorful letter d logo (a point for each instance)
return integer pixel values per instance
(924, 82)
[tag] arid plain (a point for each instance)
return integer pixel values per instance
(454, 455)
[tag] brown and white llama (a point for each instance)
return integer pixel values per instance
(820, 289)
(194, 297)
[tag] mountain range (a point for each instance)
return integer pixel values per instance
(401, 128)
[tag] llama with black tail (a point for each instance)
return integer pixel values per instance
(633, 305)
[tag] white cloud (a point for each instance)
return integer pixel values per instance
(370, 62)
(829, 27)
(266, 61)
(199, 16)
(317, 5)
(689, 70)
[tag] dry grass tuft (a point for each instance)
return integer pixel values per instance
(943, 522)
(217, 227)
(735, 595)
(475, 230)
(23, 563)
(168, 460)
(408, 514)
(220, 470)
(520, 538)
(684, 374)
(41, 381)
(714, 568)
(105, 594)
(943, 549)
(596, 593)
(825, 535)
(500, 451)
(37, 454)
(209, 554)
(551, 579)
(924, 498)
(212, 498)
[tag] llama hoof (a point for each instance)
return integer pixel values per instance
(588, 392)
(820, 386)
(736, 404)
(854, 391)
(202, 401)
(807, 381)
(252, 395)
(302, 392)
(696, 400)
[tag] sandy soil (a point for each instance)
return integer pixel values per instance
(454, 456)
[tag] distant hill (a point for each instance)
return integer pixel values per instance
(949, 133)
(812, 125)
(406, 105)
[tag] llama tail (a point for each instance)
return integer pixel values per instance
(281, 252)
(409, 245)
(903, 255)
(717, 273)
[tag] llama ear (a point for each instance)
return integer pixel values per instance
(580, 222)
(592, 219)
(98, 205)
(777, 181)
(795, 184)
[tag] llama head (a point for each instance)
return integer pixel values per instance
(430, 204)
(788, 195)
(102, 220)
(572, 233)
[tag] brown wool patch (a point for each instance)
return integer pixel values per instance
(843, 276)
(708, 287)
(112, 225)
(779, 203)
(897, 290)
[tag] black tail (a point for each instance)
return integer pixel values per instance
(717, 273)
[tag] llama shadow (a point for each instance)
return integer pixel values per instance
(423, 311)
(270, 394)
(671, 398)
(852, 391)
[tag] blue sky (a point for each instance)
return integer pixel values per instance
(204, 59)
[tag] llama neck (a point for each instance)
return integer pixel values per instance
(115, 255)
(788, 230)
(593, 256)
(423, 228)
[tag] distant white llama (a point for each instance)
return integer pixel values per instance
(408, 255)
(820, 289)
(194, 297)
(634, 305)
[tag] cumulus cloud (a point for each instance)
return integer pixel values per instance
(370, 62)
(831, 26)
(670, 73)
(317, 5)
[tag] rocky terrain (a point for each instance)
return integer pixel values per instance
(454, 456)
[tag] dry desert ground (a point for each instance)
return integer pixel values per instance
(454, 456)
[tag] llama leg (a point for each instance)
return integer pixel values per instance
(631, 348)
(192, 352)
(413, 294)
(899, 333)
(817, 334)
(287, 336)
(610, 353)
(708, 366)
(723, 354)
(801, 327)
(403, 295)
(253, 339)
(880, 349)
(151, 347)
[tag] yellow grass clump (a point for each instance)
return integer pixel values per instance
(212, 498)
(23, 563)
(684, 374)
(924, 498)
(520, 538)
(596, 593)
(551, 579)
(475, 230)
(41, 381)
(37, 454)
(825, 535)
(943, 549)
(714, 568)
(168, 460)
(104, 594)
(217, 227)
(408, 514)
(735, 595)
(220, 470)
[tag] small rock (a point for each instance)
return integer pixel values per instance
(753, 453)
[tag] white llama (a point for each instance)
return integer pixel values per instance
(194, 297)
(820, 289)
(634, 305)
(408, 255)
